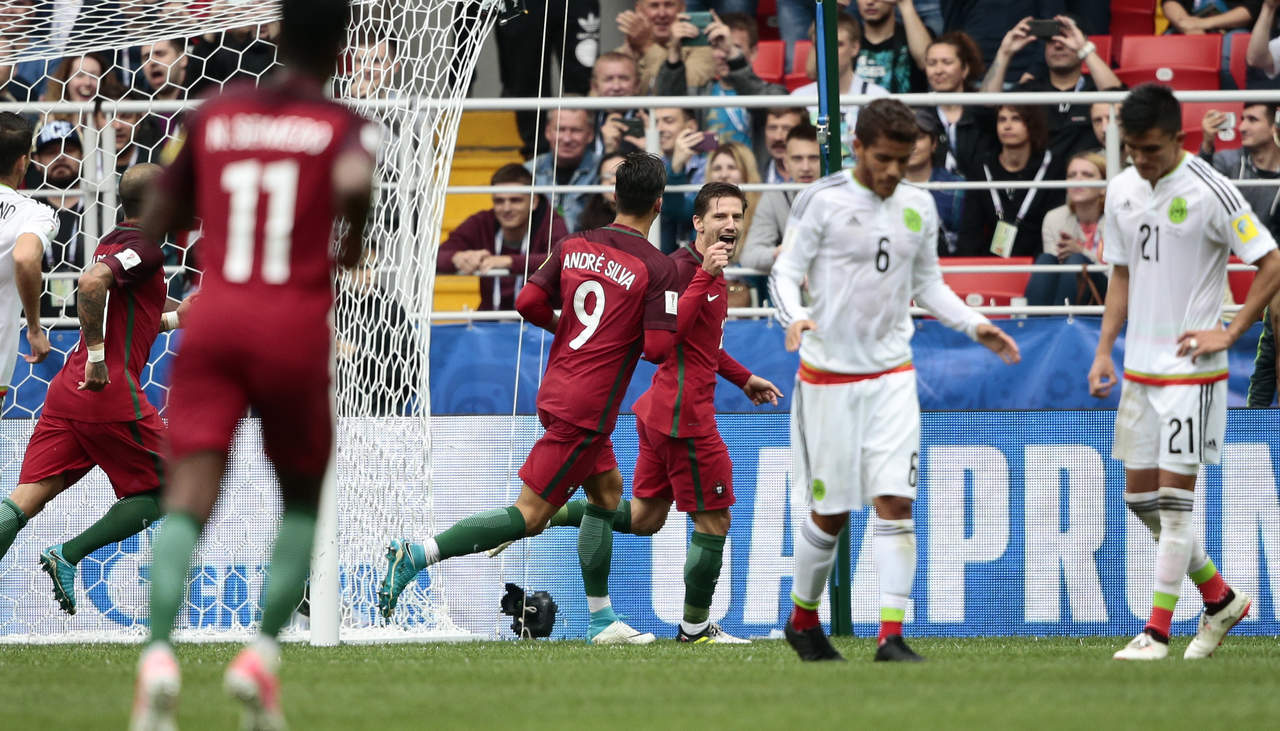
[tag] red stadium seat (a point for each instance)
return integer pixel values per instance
(1193, 113)
(770, 61)
(1238, 65)
(797, 77)
(1239, 282)
(1133, 17)
(989, 286)
(1200, 52)
(1178, 78)
(1104, 50)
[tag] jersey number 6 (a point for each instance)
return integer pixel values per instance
(882, 255)
(590, 320)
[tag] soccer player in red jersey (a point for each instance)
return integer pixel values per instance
(619, 298)
(267, 170)
(95, 413)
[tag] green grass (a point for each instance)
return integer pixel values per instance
(991, 683)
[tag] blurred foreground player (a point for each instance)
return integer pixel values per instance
(866, 247)
(95, 413)
(1171, 221)
(618, 296)
(267, 170)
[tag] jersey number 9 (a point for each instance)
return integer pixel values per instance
(590, 320)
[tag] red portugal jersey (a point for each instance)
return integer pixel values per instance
(135, 302)
(681, 401)
(258, 162)
(611, 285)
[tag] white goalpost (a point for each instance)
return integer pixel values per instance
(409, 66)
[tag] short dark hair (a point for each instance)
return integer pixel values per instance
(1151, 106)
(1272, 108)
(512, 172)
(746, 24)
(1036, 120)
(803, 131)
(134, 186)
(312, 33)
(16, 134)
(641, 179)
(784, 111)
(711, 191)
(887, 118)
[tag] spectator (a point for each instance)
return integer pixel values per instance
(724, 7)
(733, 162)
(795, 17)
(1072, 234)
(55, 167)
(602, 208)
(849, 40)
(1070, 129)
(1257, 158)
(804, 161)
(615, 74)
(571, 160)
(892, 53)
(649, 34)
(921, 168)
(953, 65)
(516, 235)
(376, 367)
(1194, 17)
(137, 140)
(22, 33)
(374, 64)
(733, 42)
(987, 22)
(569, 31)
(164, 67)
(1100, 119)
(771, 146)
(78, 79)
(1007, 222)
(1263, 53)
(681, 142)
(237, 53)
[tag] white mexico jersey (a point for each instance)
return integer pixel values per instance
(18, 215)
(862, 260)
(1175, 239)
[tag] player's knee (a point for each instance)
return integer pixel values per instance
(893, 507)
(646, 522)
(605, 490)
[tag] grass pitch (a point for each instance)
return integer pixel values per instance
(990, 683)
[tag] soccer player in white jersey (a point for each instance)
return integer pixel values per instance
(1171, 221)
(866, 246)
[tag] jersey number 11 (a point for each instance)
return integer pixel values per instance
(245, 181)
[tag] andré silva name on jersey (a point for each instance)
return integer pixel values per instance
(600, 264)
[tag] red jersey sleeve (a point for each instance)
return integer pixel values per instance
(733, 371)
(661, 300)
(361, 136)
(136, 263)
(548, 275)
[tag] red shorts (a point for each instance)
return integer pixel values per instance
(696, 472)
(222, 370)
(564, 458)
(130, 452)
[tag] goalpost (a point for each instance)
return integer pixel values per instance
(409, 67)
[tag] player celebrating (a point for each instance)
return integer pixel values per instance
(618, 296)
(682, 456)
(267, 170)
(95, 413)
(26, 228)
(1171, 222)
(867, 246)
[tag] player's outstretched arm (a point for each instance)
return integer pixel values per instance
(1265, 284)
(1102, 374)
(27, 253)
(94, 284)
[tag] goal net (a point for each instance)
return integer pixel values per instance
(105, 85)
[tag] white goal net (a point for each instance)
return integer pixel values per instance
(105, 84)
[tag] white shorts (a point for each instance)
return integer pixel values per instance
(851, 442)
(1176, 427)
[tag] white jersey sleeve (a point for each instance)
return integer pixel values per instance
(42, 222)
(805, 230)
(929, 289)
(1238, 227)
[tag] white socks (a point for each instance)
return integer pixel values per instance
(895, 545)
(432, 550)
(1177, 539)
(1146, 506)
(815, 551)
(596, 603)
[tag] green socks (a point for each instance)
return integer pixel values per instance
(595, 549)
(170, 566)
(572, 512)
(480, 532)
(11, 521)
(701, 572)
(125, 518)
(290, 563)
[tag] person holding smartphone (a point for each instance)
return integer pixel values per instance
(654, 33)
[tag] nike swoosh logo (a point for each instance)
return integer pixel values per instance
(711, 299)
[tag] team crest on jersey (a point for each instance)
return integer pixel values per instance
(719, 488)
(1245, 230)
(911, 217)
(1178, 210)
(819, 489)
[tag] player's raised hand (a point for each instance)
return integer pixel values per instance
(1102, 376)
(716, 258)
(40, 346)
(795, 333)
(761, 391)
(998, 342)
(1196, 343)
(95, 376)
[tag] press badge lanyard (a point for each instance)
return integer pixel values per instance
(949, 128)
(1002, 241)
(497, 250)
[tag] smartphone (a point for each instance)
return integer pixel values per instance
(1228, 121)
(700, 20)
(1044, 29)
(635, 127)
(709, 142)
